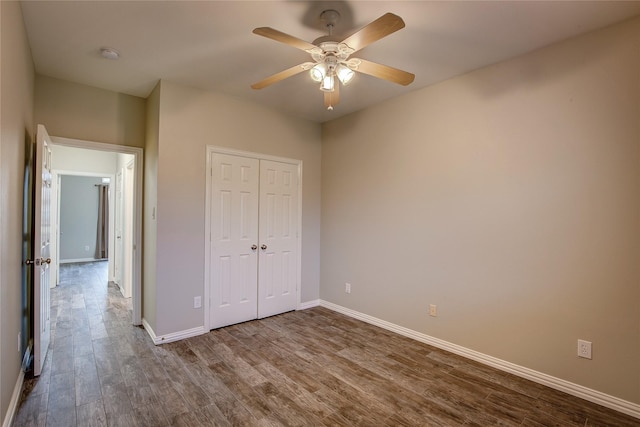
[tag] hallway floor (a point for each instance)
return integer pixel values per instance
(90, 335)
(305, 368)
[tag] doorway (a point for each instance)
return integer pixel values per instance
(79, 216)
(122, 165)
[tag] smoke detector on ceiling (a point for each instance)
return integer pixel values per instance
(109, 53)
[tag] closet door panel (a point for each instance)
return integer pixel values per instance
(234, 237)
(278, 229)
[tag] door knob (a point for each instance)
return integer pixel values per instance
(45, 261)
(29, 262)
(254, 247)
(263, 247)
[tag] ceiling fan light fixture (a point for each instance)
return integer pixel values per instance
(344, 73)
(333, 65)
(318, 72)
(327, 84)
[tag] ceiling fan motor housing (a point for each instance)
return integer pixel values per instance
(330, 18)
(331, 49)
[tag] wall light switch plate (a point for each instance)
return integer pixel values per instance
(433, 310)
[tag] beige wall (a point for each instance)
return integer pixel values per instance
(76, 111)
(17, 130)
(150, 203)
(189, 120)
(73, 159)
(509, 197)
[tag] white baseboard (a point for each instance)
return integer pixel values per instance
(577, 390)
(174, 336)
(180, 335)
(120, 288)
(308, 304)
(13, 403)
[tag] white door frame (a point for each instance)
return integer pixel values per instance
(207, 225)
(137, 212)
(55, 228)
(118, 198)
(127, 235)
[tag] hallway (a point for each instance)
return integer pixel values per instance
(91, 338)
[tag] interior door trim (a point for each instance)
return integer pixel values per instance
(210, 149)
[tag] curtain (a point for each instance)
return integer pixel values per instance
(102, 242)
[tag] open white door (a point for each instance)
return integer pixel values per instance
(41, 250)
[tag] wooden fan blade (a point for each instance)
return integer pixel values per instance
(331, 99)
(381, 27)
(282, 75)
(281, 37)
(385, 72)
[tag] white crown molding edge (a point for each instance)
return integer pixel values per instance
(573, 389)
(174, 336)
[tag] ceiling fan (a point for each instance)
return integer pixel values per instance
(332, 64)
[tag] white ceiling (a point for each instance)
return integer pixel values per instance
(209, 44)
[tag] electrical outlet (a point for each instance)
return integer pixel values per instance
(197, 302)
(347, 288)
(433, 310)
(584, 349)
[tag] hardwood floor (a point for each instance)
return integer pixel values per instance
(307, 368)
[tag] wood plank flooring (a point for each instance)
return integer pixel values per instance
(307, 368)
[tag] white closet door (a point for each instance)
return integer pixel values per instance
(234, 239)
(278, 227)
